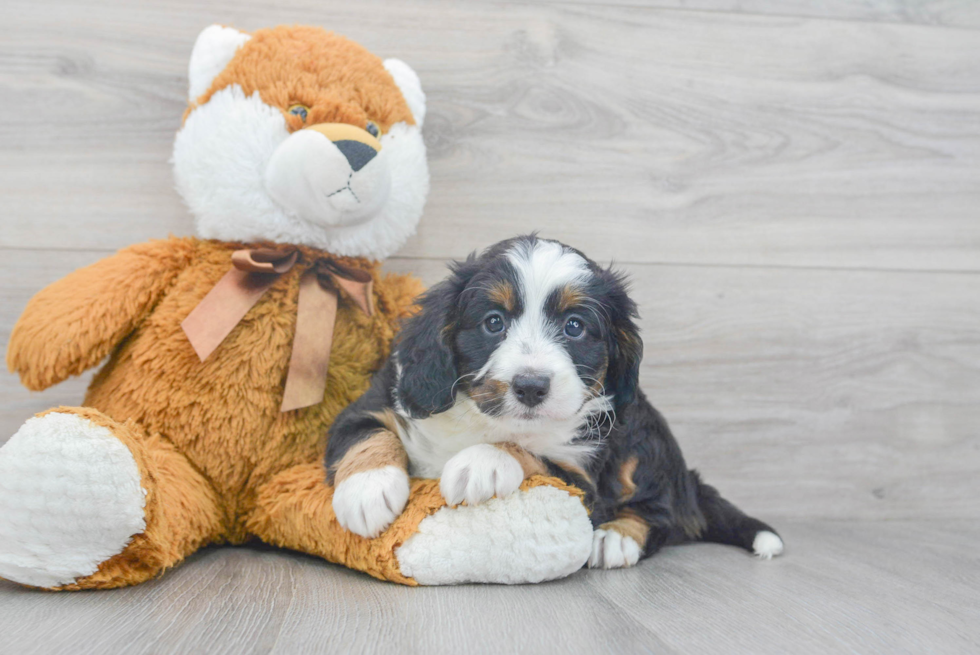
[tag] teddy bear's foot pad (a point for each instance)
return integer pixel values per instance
(70, 498)
(541, 534)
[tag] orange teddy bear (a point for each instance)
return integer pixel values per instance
(301, 157)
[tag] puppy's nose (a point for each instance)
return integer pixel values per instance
(531, 388)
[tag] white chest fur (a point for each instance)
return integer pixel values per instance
(432, 441)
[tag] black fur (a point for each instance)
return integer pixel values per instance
(441, 341)
(672, 499)
(625, 344)
(424, 348)
(358, 421)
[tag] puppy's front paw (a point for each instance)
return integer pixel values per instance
(611, 550)
(479, 473)
(366, 503)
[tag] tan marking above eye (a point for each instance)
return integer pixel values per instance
(502, 293)
(569, 297)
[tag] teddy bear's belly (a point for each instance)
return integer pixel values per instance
(223, 413)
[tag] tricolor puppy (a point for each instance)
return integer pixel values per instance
(525, 361)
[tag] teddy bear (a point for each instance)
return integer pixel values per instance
(228, 354)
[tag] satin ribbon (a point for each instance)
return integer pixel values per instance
(253, 272)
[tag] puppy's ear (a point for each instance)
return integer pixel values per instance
(424, 347)
(625, 344)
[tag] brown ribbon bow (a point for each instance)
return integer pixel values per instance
(254, 272)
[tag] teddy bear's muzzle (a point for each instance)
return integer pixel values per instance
(330, 174)
(358, 146)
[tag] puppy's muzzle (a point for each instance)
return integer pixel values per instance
(531, 389)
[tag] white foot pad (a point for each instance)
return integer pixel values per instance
(540, 534)
(611, 550)
(767, 545)
(70, 498)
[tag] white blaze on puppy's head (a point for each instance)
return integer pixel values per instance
(533, 358)
(297, 135)
(530, 343)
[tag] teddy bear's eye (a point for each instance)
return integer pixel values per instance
(299, 110)
(372, 129)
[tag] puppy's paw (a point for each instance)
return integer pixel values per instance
(611, 550)
(767, 545)
(368, 502)
(479, 473)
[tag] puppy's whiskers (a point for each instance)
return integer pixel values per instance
(452, 389)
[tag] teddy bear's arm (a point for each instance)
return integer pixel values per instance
(72, 324)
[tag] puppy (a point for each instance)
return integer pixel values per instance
(525, 361)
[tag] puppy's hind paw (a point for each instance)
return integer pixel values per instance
(366, 503)
(478, 473)
(767, 545)
(612, 550)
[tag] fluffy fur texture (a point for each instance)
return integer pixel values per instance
(170, 454)
(58, 520)
(221, 429)
(249, 170)
(527, 359)
(386, 491)
(478, 473)
(613, 550)
(214, 48)
(767, 545)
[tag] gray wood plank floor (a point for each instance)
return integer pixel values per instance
(882, 587)
(794, 188)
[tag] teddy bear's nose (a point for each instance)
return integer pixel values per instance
(358, 154)
(358, 146)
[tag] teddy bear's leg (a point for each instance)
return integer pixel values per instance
(87, 502)
(541, 532)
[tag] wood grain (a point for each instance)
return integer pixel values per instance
(917, 594)
(652, 135)
(949, 13)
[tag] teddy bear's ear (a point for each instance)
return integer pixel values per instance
(214, 48)
(410, 86)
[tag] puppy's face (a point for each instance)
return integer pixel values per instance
(529, 339)
(532, 331)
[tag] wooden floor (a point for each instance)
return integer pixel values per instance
(885, 587)
(794, 186)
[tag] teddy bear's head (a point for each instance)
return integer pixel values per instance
(297, 135)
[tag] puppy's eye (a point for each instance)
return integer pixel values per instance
(300, 110)
(494, 324)
(574, 328)
(372, 129)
